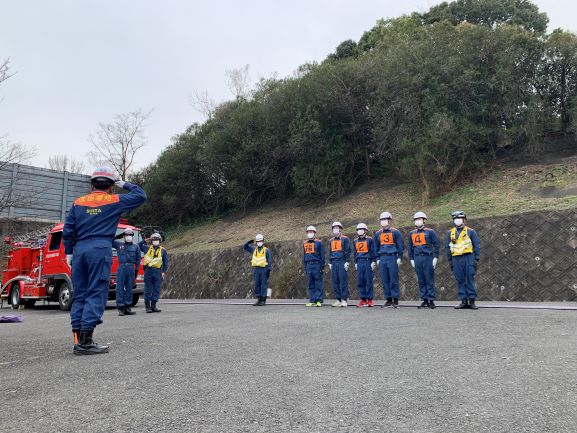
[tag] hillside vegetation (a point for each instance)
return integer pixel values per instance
(504, 191)
(430, 98)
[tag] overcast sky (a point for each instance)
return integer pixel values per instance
(80, 62)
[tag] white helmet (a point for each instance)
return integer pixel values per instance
(420, 215)
(386, 215)
(311, 229)
(337, 224)
(128, 231)
(362, 226)
(259, 238)
(103, 173)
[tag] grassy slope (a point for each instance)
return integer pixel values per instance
(502, 192)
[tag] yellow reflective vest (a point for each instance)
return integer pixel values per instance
(462, 244)
(153, 260)
(259, 258)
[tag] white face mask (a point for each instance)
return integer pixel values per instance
(259, 244)
(360, 232)
(385, 223)
(127, 238)
(419, 222)
(458, 221)
(336, 231)
(310, 235)
(156, 243)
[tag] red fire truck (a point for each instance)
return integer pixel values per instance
(38, 270)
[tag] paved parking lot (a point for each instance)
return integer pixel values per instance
(235, 368)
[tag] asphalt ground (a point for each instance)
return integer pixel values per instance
(287, 368)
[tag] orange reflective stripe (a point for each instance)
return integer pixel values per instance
(97, 199)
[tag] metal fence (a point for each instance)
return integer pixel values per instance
(38, 193)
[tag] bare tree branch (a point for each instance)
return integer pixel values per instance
(65, 163)
(117, 143)
(237, 81)
(203, 103)
(14, 153)
(4, 70)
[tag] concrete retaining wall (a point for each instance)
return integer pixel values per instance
(526, 257)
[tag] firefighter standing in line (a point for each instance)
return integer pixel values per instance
(390, 248)
(463, 250)
(364, 251)
(155, 265)
(424, 254)
(261, 263)
(88, 233)
(128, 254)
(314, 265)
(339, 254)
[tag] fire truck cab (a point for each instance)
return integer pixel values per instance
(37, 270)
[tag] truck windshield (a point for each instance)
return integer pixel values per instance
(137, 238)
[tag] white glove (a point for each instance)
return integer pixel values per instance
(435, 260)
(69, 259)
(413, 263)
(378, 262)
(346, 266)
(398, 262)
(355, 266)
(330, 267)
(373, 266)
(119, 184)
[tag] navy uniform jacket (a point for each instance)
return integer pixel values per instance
(364, 248)
(94, 217)
(389, 241)
(339, 248)
(127, 252)
(314, 252)
(423, 242)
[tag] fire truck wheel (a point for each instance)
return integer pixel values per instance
(15, 296)
(135, 299)
(64, 297)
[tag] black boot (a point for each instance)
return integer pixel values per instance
(432, 305)
(395, 303)
(257, 302)
(263, 301)
(153, 307)
(388, 304)
(76, 336)
(128, 311)
(148, 308)
(121, 311)
(472, 305)
(424, 304)
(463, 305)
(88, 347)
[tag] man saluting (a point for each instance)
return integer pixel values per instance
(89, 230)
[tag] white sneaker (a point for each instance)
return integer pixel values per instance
(344, 304)
(337, 304)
